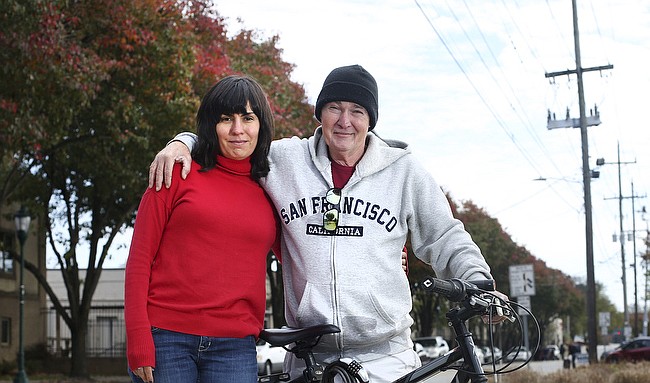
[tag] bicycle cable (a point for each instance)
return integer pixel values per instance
(505, 307)
(505, 369)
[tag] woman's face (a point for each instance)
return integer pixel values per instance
(237, 134)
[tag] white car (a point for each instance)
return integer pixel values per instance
(517, 353)
(488, 353)
(270, 359)
(431, 347)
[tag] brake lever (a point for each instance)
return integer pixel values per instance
(505, 312)
(499, 308)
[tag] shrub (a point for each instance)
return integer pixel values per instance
(598, 373)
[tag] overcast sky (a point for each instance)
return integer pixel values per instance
(463, 82)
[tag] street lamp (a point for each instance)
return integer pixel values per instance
(22, 221)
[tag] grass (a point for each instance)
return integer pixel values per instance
(599, 373)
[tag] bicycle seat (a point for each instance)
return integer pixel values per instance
(287, 335)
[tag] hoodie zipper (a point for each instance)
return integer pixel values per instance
(335, 295)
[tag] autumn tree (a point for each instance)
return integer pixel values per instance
(98, 88)
(90, 91)
(501, 252)
(248, 53)
(557, 294)
(36, 56)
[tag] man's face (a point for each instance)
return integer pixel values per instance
(345, 127)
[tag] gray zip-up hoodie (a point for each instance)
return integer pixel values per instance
(353, 278)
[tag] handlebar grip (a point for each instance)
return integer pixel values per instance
(451, 289)
(455, 289)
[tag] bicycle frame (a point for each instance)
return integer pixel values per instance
(471, 369)
(472, 303)
(432, 367)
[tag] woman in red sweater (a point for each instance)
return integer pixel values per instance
(195, 277)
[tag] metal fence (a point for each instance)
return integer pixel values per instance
(106, 333)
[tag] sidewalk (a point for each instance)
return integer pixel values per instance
(542, 367)
(66, 379)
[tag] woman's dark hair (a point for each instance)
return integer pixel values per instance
(228, 96)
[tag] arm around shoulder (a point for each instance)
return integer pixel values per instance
(187, 138)
(177, 150)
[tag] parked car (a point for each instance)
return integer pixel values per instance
(491, 352)
(516, 353)
(420, 351)
(554, 351)
(550, 352)
(430, 347)
(270, 359)
(603, 356)
(634, 350)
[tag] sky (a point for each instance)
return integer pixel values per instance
(463, 83)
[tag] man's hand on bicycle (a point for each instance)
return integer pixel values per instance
(500, 309)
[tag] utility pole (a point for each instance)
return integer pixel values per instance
(586, 180)
(601, 161)
(636, 290)
(645, 261)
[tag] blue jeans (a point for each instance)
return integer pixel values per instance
(185, 358)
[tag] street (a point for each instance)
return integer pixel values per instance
(543, 367)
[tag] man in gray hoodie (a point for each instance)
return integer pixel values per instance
(347, 200)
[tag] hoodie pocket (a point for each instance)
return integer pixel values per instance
(365, 317)
(316, 306)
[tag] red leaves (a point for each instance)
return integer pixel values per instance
(8, 106)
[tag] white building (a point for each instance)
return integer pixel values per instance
(106, 332)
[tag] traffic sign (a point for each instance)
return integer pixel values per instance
(604, 319)
(522, 280)
(523, 300)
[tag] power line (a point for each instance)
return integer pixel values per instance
(525, 119)
(566, 45)
(492, 111)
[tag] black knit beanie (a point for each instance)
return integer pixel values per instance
(353, 84)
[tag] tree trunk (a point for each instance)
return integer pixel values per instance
(426, 315)
(79, 361)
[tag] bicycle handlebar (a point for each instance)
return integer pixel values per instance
(456, 289)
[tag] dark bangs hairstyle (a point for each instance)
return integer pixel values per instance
(230, 96)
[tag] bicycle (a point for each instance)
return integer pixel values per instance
(474, 300)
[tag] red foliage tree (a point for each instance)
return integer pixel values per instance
(89, 92)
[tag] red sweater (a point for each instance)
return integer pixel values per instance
(197, 261)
